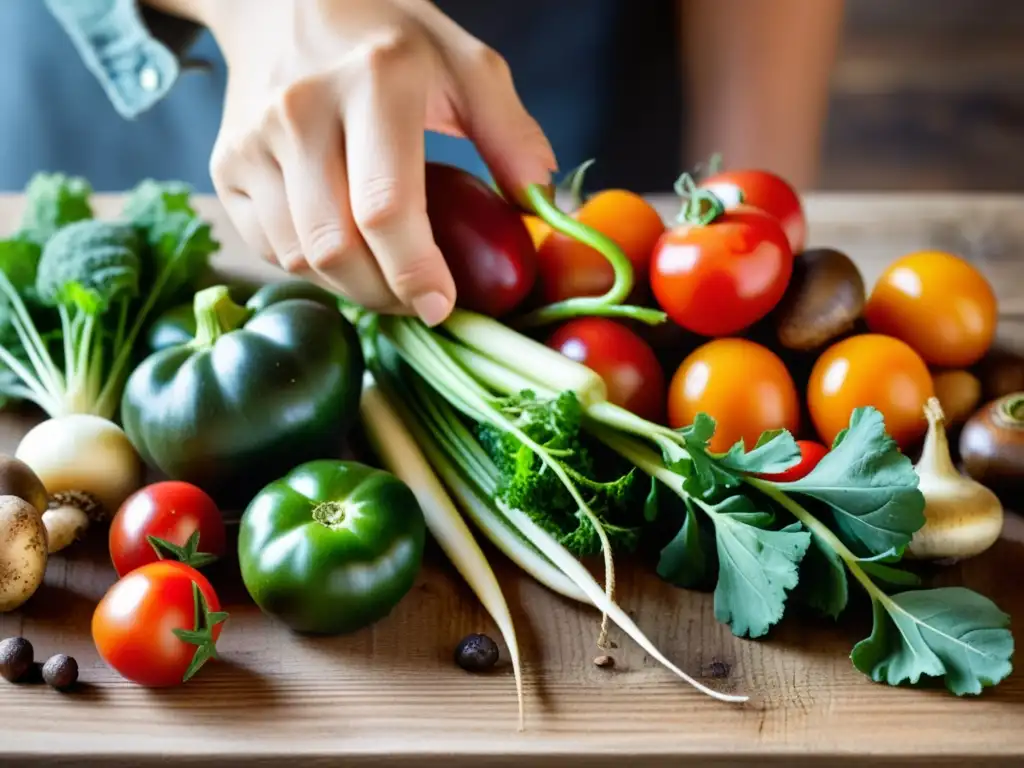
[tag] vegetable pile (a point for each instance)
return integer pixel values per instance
(711, 399)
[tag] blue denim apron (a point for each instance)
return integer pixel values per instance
(577, 64)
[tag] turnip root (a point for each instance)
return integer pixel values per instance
(88, 467)
(23, 552)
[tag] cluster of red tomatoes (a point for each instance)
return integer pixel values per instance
(160, 621)
(721, 281)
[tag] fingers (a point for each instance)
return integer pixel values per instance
(510, 141)
(384, 114)
(316, 188)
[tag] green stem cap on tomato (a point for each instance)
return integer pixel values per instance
(189, 554)
(201, 635)
(216, 314)
(610, 303)
(700, 206)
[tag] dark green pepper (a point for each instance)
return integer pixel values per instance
(253, 394)
(331, 547)
(178, 324)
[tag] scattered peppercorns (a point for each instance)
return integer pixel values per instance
(16, 658)
(60, 672)
(18, 665)
(476, 653)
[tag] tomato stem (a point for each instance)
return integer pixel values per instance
(700, 207)
(202, 633)
(610, 303)
(573, 182)
(188, 554)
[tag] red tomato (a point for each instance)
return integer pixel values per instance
(811, 452)
(766, 191)
(721, 278)
(171, 511)
(627, 364)
(484, 239)
(134, 624)
(567, 268)
(742, 385)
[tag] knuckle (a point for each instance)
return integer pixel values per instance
(391, 49)
(378, 205)
(490, 61)
(409, 279)
(328, 247)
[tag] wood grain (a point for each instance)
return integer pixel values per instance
(390, 695)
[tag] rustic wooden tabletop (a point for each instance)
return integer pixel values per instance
(390, 695)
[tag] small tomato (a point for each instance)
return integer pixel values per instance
(939, 304)
(742, 385)
(159, 624)
(874, 370)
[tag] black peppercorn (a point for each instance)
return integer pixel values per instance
(15, 658)
(476, 653)
(60, 672)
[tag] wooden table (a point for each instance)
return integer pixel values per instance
(390, 695)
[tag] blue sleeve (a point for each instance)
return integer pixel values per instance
(136, 54)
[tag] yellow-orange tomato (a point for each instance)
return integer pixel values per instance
(567, 268)
(539, 229)
(742, 385)
(939, 304)
(874, 370)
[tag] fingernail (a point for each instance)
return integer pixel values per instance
(432, 307)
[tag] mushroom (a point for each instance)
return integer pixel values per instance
(992, 444)
(825, 297)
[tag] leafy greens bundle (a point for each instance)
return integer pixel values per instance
(76, 292)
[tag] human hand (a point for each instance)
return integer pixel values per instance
(320, 157)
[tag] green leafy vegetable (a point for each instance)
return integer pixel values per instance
(71, 311)
(757, 566)
(823, 580)
(53, 200)
(555, 426)
(870, 486)
(162, 212)
(684, 560)
(951, 633)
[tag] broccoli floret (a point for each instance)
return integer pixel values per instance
(53, 201)
(530, 486)
(89, 265)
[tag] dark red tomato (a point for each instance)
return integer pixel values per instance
(569, 268)
(811, 452)
(485, 242)
(134, 625)
(721, 278)
(171, 511)
(768, 192)
(627, 364)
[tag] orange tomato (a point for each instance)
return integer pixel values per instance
(539, 229)
(567, 267)
(939, 304)
(874, 370)
(742, 385)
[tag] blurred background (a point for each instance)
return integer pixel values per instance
(928, 94)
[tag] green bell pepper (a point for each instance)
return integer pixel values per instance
(257, 391)
(178, 324)
(331, 547)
